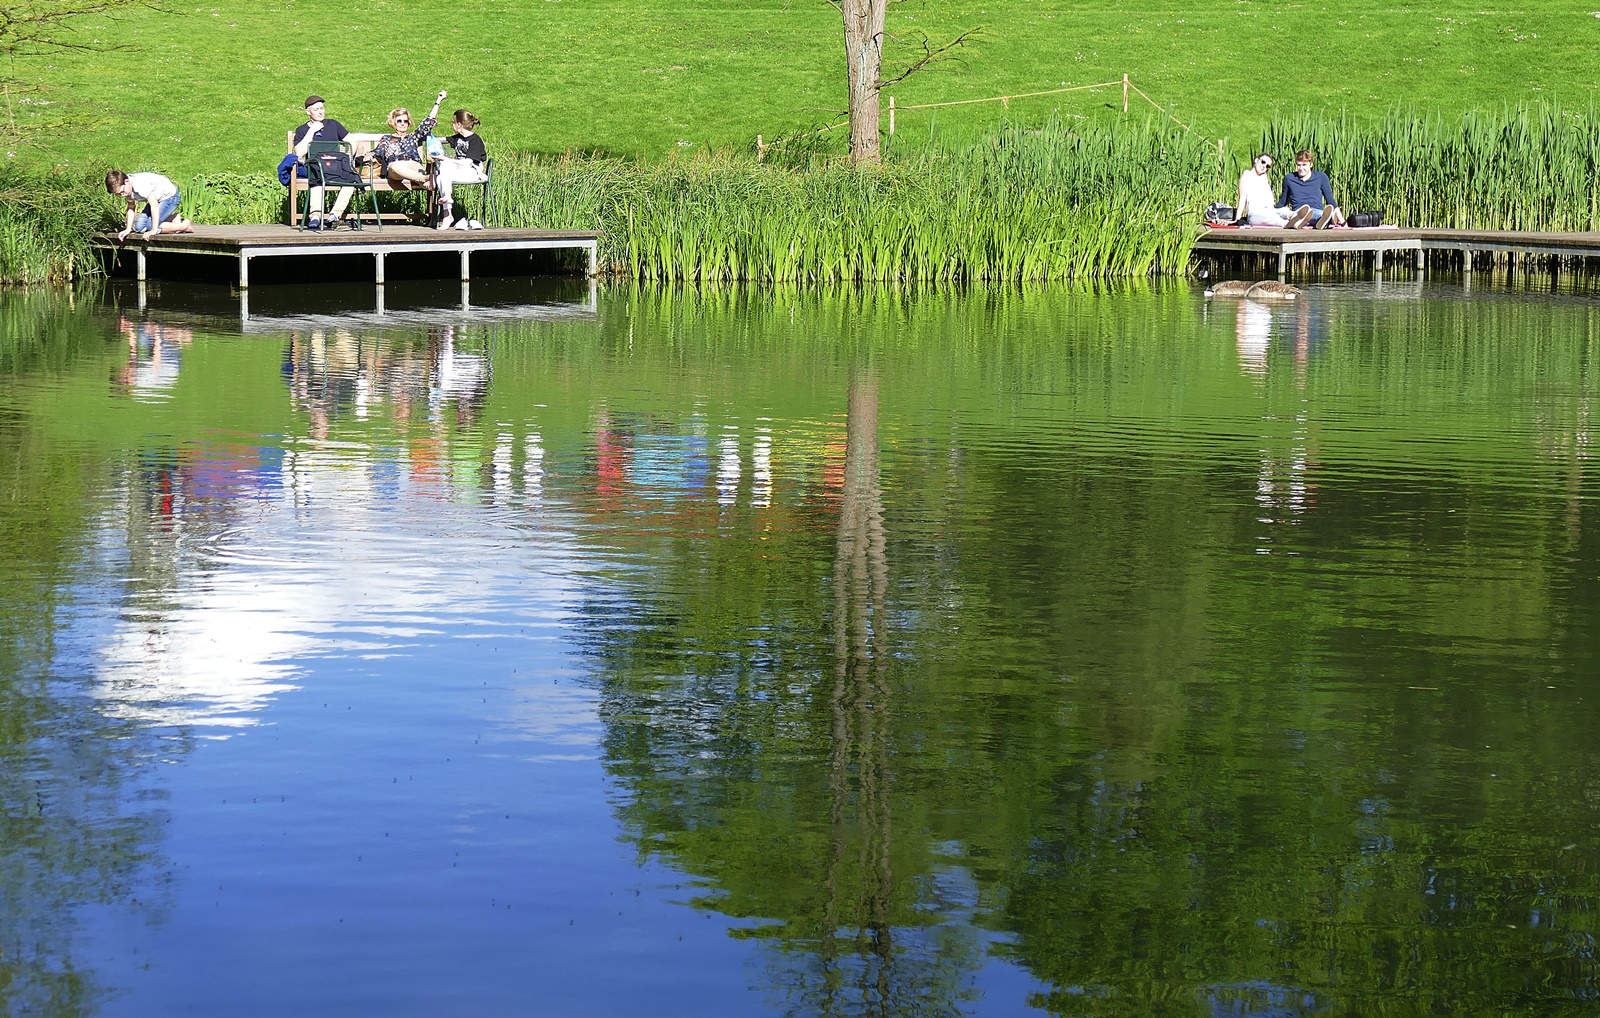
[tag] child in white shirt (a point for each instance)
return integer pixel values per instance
(160, 198)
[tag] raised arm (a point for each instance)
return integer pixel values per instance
(420, 134)
(303, 146)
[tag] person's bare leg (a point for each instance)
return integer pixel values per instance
(408, 173)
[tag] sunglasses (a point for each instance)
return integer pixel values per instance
(1264, 162)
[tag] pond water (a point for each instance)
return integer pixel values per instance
(662, 652)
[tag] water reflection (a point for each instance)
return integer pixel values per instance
(926, 642)
(155, 357)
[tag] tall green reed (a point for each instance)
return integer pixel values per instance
(1063, 201)
(1068, 200)
(1528, 168)
(46, 221)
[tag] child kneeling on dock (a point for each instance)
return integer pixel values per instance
(160, 197)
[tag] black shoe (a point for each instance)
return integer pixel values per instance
(314, 223)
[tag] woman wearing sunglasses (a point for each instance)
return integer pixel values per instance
(1258, 205)
(399, 154)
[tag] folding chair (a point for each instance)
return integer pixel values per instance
(315, 178)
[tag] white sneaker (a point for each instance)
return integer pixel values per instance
(473, 224)
(463, 224)
(444, 224)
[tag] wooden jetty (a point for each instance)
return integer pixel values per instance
(245, 244)
(1265, 242)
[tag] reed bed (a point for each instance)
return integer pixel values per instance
(1114, 198)
(1058, 202)
(1532, 168)
(46, 220)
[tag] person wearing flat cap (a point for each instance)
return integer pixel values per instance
(318, 127)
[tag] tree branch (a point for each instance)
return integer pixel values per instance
(933, 52)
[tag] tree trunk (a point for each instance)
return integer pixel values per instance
(863, 47)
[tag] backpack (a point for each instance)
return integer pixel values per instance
(1365, 219)
(337, 168)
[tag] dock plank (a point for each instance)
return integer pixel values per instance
(243, 244)
(234, 240)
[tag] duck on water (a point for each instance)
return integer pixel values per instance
(1266, 289)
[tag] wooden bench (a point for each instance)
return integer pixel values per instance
(360, 145)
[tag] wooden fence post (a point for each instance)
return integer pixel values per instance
(761, 149)
(891, 116)
(1124, 93)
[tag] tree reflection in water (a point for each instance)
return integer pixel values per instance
(76, 827)
(859, 707)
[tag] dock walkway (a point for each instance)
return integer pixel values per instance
(244, 244)
(1266, 241)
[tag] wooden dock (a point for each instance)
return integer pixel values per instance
(1266, 242)
(244, 244)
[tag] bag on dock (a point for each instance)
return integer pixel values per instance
(337, 168)
(1360, 219)
(1217, 212)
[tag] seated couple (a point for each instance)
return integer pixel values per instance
(400, 159)
(1307, 199)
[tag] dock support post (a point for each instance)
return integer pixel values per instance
(382, 310)
(466, 264)
(144, 296)
(1422, 261)
(143, 273)
(594, 258)
(378, 262)
(1377, 260)
(244, 272)
(244, 305)
(1283, 262)
(466, 295)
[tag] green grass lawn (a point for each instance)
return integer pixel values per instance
(215, 87)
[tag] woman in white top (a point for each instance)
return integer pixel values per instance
(1257, 204)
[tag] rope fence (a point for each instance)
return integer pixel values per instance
(1005, 101)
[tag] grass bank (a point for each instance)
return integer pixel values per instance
(1043, 204)
(201, 88)
(1069, 200)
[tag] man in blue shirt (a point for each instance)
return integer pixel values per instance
(1310, 189)
(320, 127)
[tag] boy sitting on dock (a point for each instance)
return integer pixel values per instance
(160, 198)
(1309, 191)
